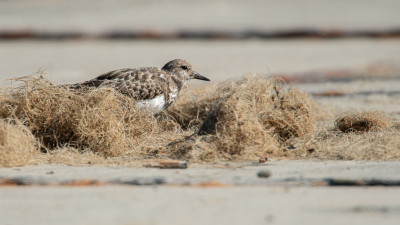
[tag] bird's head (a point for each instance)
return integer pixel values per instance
(183, 69)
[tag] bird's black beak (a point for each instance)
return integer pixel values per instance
(197, 76)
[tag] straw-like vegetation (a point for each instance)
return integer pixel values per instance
(17, 144)
(235, 120)
(100, 120)
(239, 120)
(378, 145)
(363, 122)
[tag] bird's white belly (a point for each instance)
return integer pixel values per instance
(154, 105)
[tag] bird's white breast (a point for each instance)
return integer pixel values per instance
(155, 105)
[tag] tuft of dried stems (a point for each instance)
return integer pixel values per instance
(17, 144)
(235, 120)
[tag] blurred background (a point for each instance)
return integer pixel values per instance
(301, 41)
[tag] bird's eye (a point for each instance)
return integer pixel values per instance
(184, 67)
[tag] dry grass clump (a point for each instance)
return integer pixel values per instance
(363, 121)
(374, 139)
(17, 144)
(235, 120)
(365, 135)
(248, 117)
(336, 145)
(100, 119)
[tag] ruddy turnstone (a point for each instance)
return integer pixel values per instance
(151, 87)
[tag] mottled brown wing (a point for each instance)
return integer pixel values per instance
(142, 84)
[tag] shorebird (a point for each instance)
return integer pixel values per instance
(151, 87)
